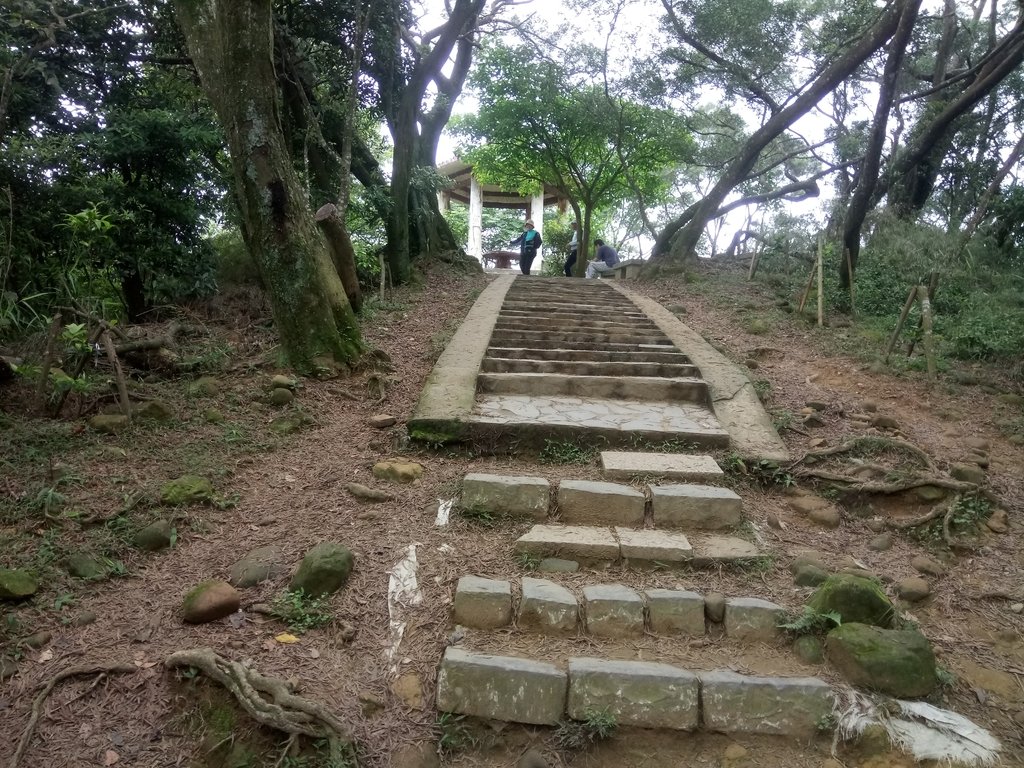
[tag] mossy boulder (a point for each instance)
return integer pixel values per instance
(188, 489)
(205, 386)
(155, 410)
(155, 536)
(209, 601)
(258, 565)
(16, 584)
(324, 569)
(281, 396)
(398, 471)
(85, 566)
(280, 381)
(855, 599)
(809, 649)
(109, 423)
(899, 662)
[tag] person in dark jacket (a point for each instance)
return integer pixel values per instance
(529, 244)
(573, 249)
(605, 258)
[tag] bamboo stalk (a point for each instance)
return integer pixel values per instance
(821, 281)
(899, 325)
(122, 385)
(926, 321)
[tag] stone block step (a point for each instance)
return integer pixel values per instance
(568, 335)
(585, 501)
(625, 465)
(504, 495)
(704, 507)
(557, 313)
(548, 608)
(483, 603)
(637, 693)
(651, 388)
(530, 421)
(561, 306)
(594, 543)
(587, 355)
(501, 688)
(588, 368)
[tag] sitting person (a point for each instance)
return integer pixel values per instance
(605, 258)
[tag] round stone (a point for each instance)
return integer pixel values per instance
(913, 589)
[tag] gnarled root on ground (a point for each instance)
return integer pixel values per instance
(268, 700)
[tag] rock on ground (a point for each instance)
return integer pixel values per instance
(324, 569)
(209, 601)
(894, 661)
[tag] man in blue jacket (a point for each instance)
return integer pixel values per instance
(605, 258)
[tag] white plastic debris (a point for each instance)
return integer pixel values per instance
(444, 511)
(403, 592)
(919, 729)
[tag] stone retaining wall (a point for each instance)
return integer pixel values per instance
(642, 694)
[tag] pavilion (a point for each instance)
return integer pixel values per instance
(466, 188)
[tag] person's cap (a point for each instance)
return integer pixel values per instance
(528, 223)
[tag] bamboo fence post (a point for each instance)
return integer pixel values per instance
(899, 325)
(926, 322)
(122, 386)
(821, 281)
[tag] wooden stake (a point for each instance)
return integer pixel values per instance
(899, 325)
(926, 322)
(821, 281)
(849, 277)
(807, 290)
(44, 372)
(753, 263)
(122, 385)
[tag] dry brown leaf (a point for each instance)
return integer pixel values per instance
(110, 757)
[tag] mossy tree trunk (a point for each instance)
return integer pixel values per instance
(232, 45)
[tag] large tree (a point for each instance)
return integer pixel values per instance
(232, 46)
(539, 124)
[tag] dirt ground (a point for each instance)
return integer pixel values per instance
(291, 492)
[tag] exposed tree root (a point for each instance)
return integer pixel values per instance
(37, 705)
(872, 441)
(283, 710)
(855, 484)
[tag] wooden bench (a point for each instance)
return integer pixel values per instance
(624, 270)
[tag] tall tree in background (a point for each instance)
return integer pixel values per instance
(536, 127)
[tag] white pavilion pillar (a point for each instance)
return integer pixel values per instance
(476, 218)
(537, 213)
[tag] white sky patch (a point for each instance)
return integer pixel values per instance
(403, 593)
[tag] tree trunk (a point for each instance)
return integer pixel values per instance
(868, 177)
(683, 242)
(231, 44)
(917, 167)
(134, 291)
(342, 253)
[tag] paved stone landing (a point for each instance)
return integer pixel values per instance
(637, 693)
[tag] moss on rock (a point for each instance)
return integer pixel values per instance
(188, 489)
(855, 599)
(899, 662)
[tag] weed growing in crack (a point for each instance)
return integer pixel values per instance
(811, 622)
(564, 452)
(454, 734)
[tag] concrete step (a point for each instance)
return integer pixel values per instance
(625, 465)
(586, 355)
(529, 421)
(622, 315)
(636, 693)
(592, 544)
(588, 368)
(507, 340)
(625, 388)
(555, 306)
(590, 503)
(564, 324)
(547, 337)
(704, 507)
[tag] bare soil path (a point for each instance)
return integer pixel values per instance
(292, 493)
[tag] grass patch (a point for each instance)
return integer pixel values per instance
(577, 735)
(811, 622)
(565, 452)
(454, 734)
(301, 612)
